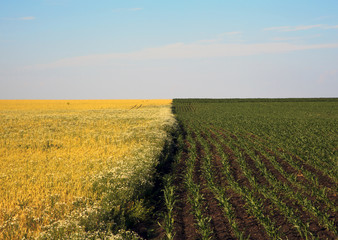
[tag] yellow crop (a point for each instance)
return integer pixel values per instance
(51, 151)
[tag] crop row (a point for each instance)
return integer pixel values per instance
(241, 184)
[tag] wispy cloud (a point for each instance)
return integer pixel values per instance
(331, 27)
(27, 18)
(135, 9)
(184, 51)
(286, 38)
(127, 9)
(292, 28)
(295, 38)
(299, 28)
(20, 18)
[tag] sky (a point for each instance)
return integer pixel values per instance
(151, 49)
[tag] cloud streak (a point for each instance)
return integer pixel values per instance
(295, 38)
(183, 51)
(20, 18)
(27, 18)
(292, 29)
(135, 9)
(299, 28)
(331, 27)
(127, 9)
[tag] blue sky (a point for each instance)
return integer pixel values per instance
(86, 49)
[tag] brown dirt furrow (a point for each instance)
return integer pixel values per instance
(233, 136)
(253, 137)
(280, 220)
(184, 225)
(323, 179)
(246, 222)
(287, 168)
(318, 203)
(285, 165)
(281, 178)
(269, 210)
(219, 223)
(236, 168)
(224, 136)
(255, 171)
(316, 229)
(251, 164)
(305, 217)
(331, 194)
(272, 169)
(314, 226)
(286, 229)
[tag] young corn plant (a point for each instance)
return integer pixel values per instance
(273, 194)
(306, 204)
(319, 193)
(219, 192)
(195, 198)
(253, 202)
(169, 198)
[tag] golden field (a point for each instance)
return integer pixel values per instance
(60, 157)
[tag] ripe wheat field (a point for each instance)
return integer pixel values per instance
(62, 163)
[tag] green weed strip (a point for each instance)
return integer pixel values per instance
(254, 170)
